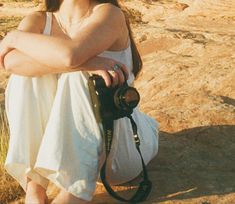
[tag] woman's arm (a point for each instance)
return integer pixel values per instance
(20, 64)
(102, 30)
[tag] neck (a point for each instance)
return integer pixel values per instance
(73, 10)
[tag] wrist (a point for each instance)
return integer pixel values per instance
(102, 63)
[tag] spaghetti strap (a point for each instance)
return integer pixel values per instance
(47, 29)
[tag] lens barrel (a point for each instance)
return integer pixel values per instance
(126, 98)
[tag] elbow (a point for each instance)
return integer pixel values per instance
(71, 59)
(69, 62)
(8, 67)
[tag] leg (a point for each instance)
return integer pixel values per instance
(28, 104)
(69, 151)
(35, 193)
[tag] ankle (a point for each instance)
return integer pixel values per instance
(36, 196)
(66, 198)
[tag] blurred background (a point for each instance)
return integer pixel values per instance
(187, 84)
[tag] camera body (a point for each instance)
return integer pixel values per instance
(111, 103)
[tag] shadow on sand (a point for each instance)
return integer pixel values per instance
(191, 163)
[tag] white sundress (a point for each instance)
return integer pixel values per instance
(54, 135)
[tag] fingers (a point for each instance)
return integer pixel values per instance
(124, 70)
(121, 77)
(113, 72)
(119, 73)
(114, 77)
(105, 75)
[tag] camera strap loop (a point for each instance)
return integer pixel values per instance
(145, 186)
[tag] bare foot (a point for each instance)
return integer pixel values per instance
(67, 198)
(35, 193)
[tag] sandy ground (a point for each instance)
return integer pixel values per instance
(187, 84)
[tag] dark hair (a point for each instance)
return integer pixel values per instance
(53, 5)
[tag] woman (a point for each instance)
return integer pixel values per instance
(53, 133)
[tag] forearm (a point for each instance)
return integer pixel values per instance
(21, 64)
(51, 51)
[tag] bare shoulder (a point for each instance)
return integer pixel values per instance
(33, 22)
(107, 7)
(109, 12)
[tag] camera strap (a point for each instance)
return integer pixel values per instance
(145, 186)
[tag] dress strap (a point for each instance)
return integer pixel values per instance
(47, 29)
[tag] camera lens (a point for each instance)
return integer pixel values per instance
(131, 98)
(126, 98)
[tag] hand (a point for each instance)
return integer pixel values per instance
(6, 47)
(106, 71)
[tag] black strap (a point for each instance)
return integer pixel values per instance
(145, 186)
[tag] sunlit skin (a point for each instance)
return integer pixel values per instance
(61, 53)
(76, 51)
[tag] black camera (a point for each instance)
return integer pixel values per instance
(112, 103)
(109, 104)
